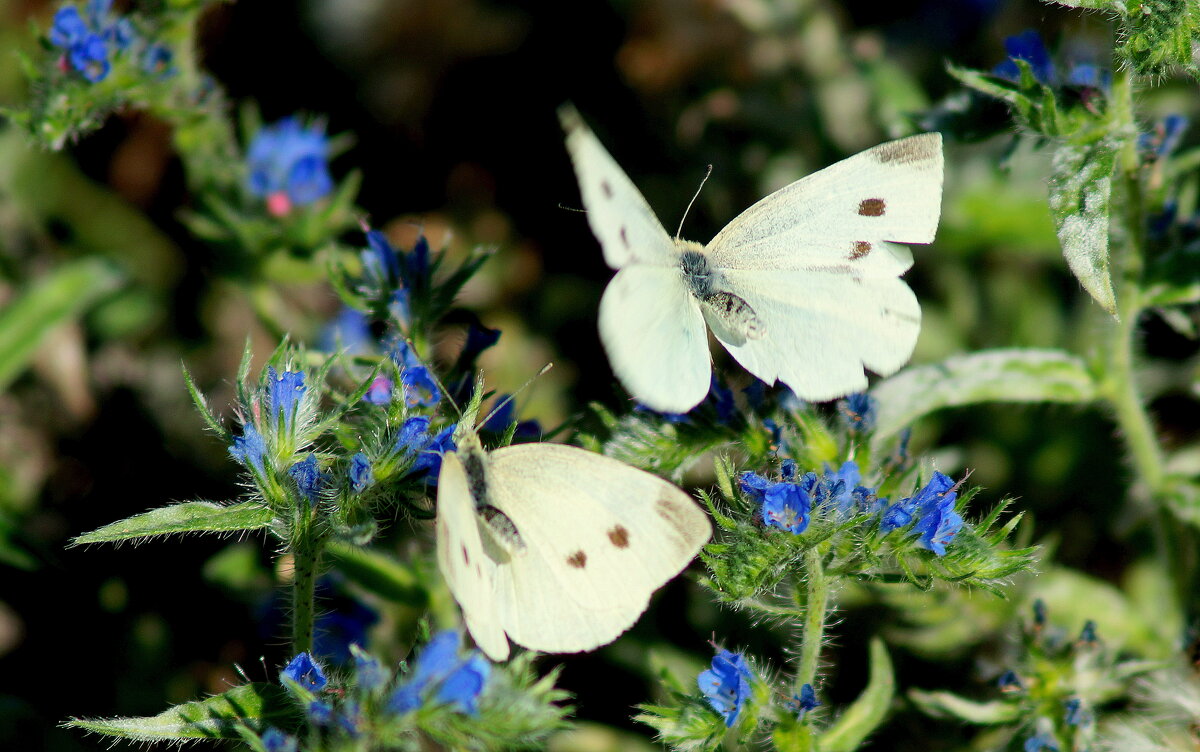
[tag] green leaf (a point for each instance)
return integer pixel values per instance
(188, 517)
(1005, 375)
(258, 705)
(866, 713)
(381, 574)
(1091, 4)
(950, 705)
(1080, 186)
(61, 296)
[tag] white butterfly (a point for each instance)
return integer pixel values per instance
(555, 546)
(803, 287)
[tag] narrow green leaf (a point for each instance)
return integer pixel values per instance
(206, 412)
(866, 713)
(1091, 4)
(985, 83)
(189, 517)
(258, 705)
(1080, 186)
(1005, 375)
(383, 575)
(950, 705)
(61, 296)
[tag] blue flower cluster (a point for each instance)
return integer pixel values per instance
(250, 449)
(309, 478)
(788, 504)
(284, 392)
(87, 37)
(441, 676)
(289, 165)
(726, 685)
(932, 507)
(91, 40)
(1029, 47)
(805, 701)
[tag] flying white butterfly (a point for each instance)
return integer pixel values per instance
(803, 287)
(555, 546)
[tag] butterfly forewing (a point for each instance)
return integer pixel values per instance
(619, 216)
(892, 192)
(600, 537)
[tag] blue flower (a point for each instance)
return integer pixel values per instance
(504, 416)
(306, 673)
(839, 491)
(274, 740)
(459, 683)
(419, 385)
(284, 391)
(805, 701)
(83, 41)
(479, 338)
(360, 472)
(416, 263)
(1041, 742)
(308, 476)
(414, 439)
(786, 506)
(1010, 682)
(319, 712)
(249, 448)
(463, 686)
(380, 391)
(726, 685)
(288, 165)
(859, 412)
(349, 331)
(380, 261)
(340, 627)
(156, 61)
(1027, 46)
(369, 674)
(754, 486)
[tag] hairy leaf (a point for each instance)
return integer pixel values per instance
(189, 517)
(1080, 186)
(257, 705)
(868, 711)
(950, 705)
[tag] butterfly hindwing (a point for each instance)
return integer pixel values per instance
(654, 335)
(818, 343)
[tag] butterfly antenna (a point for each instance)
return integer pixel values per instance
(564, 207)
(500, 405)
(703, 180)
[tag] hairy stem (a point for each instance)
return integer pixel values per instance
(306, 554)
(816, 589)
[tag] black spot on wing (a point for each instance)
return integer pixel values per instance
(859, 248)
(578, 559)
(906, 150)
(466, 558)
(619, 535)
(606, 189)
(624, 237)
(872, 207)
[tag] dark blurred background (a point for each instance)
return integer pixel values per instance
(451, 104)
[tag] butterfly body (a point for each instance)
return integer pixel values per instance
(555, 547)
(803, 287)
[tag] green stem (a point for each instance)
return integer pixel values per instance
(306, 556)
(816, 588)
(1122, 391)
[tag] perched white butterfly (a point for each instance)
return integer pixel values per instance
(803, 287)
(555, 546)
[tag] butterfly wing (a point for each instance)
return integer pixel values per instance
(619, 216)
(654, 335)
(599, 537)
(469, 571)
(819, 262)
